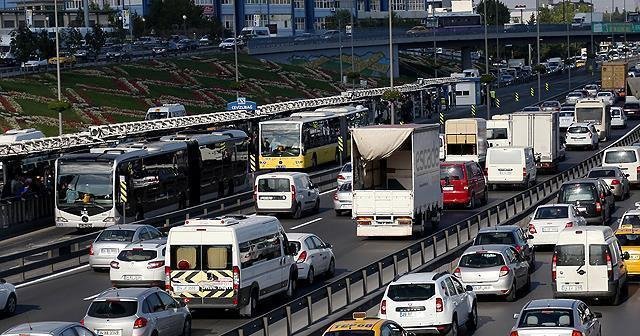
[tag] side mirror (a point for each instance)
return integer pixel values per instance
(468, 288)
(597, 314)
(625, 256)
(327, 245)
(637, 204)
(516, 316)
(530, 237)
(626, 175)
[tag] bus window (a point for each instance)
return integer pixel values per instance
(280, 139)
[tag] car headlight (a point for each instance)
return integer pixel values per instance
(61, 219)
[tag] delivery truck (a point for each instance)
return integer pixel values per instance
(466, 139)
(614, 77)
(396, 179)
(540, 131)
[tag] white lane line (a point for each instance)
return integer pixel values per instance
(328, 191)
(307, 223)
(52, 276)
(91, 297)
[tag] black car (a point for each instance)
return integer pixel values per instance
(591, 196)
(508, 235)
(187, 45)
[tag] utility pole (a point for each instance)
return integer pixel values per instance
(59, 84)
(538, 45)
(486, 60)
(391, 70)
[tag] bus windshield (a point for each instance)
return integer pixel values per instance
(280, 139)
(81, 184)
(586, 114)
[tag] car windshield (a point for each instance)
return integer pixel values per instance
(497, 134)
(615, 112)
(481, 259)
(274, 185)
(545, 318)
(569, 255)
(555, 212)
(137, 255)
(451, 172)
(411, 292)
(602, 173)
(577, 192)
(112, 309)
(578, 129)
(550, 104)
(486, 238)
(631, 220)
(116, 236)
(628, 239)
(280, 139)
(620, 156)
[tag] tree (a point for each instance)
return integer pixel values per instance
(532, 20)
(504, 15)
(167, 14)
(562, 12)
(46, 46)
(338, 20)
(71, 39)
(96, 39)
(23, 43)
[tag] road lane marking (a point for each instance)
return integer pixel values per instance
(328, 191)
(307, 223)
(91, 297)
(52, 276)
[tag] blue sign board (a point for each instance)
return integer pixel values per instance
(241, 104)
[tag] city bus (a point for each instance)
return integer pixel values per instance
(308, 139)
(595, 111)
(157, 177)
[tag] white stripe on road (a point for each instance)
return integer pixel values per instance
(328, 191)
(91, 297)
(307, 223)
(52, 276)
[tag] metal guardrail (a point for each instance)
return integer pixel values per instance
(25, 211)
(328, 303)
(48, 259)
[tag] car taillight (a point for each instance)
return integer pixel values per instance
(615, 182)
(255, 193)
(486, 172)
(302, 257)
(590, 135)
(607, 257)
(236, 284)
(140, 322)
(518, 248)
(114, 265)
(293, 194)
(638, 171)
(532, 229)
(91, 249)
(82, 321)
(335, 196)
(439, 305)
(504, 270)
(513, 333)
(383, 306)
(576, 333)
(155, 264)
(524, 171)
(340, 177)
(568, 225)
(598, 207)
(457, 273)
(167, 278)
(554, 261)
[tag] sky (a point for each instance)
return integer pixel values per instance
(601, 5)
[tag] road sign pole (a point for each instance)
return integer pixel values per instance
(123, 197)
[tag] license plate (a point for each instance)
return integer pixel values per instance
(634, 257)
(571, 288)
(505, 172)
(108, 332)
(132, 277)
(406, 314)
(481, 288)
(186, 288)
(108, 251)
(266, 197)
(581, 209)
(85, 225)
(447, 188)
(549, 229)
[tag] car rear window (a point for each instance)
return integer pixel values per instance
(577, 192)
(545, 318)
(597, 254)
(620, 156)
(346, 168)
(552, 212)
(411, 292)
(137, 255)
(452, 172)
(274, 185)
(116, 236)
(505, 156)
(578, 129)
(486, 238)
(615, 112)
(481, 260)
(628, 239)
(550, 104)
(112, 309)
(569, 255)
(602, 173)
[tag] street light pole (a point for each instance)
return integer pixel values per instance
(59, 83)
(184, 24)
(392, 107)
(486, 59)
(354, 9)
(564, 13)
(435, 49)
(538, 45)
(235, 55)
(340, 50)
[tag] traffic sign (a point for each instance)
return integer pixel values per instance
(517, 97)
(242, 104)
(123, 189)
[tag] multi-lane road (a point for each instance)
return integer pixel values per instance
(66, 296)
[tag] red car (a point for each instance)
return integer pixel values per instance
(463, 183)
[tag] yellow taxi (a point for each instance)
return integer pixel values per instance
(629, 238)
(363, 326)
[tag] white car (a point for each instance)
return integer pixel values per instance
(581, 135)
(549, 220)
(618, 117)
(592, 89)
(573, 97)
(566, 117)
(430, 303)
(34, 63)
(140, 264)
(229, 43)
(557, 317)
(314, 257)
(607, 97)
(8, 298)
(345, 175)
(286, 192)
(343, 199)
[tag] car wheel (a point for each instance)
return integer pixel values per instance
(10, 306)
(332, 268)
(297, 213)
(512, 296)
(617, 298)
(454, 327)
(472, 202)
(291, 288)
(472, 323)
(250, 309)
(311, 276)
(186, 329)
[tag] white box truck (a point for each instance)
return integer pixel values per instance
(396, 179)
(499, 130)
(466, 139)
(541, 131)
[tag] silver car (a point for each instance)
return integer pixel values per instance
(615, 178)
(345, 174)
(618, 117)
(557, 317)
(573, 97)
(113, 239)
(550, 105)
(494, 270)
(343, 199)
(52, 328)
(137, 312)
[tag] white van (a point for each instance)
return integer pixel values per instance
(229, 262)
(165, 111)
(511, 166)
(443, 148)
(587, 262)
(627, 158)
(14, 135)
(286, 192)
(255, 32)
(499, 131)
